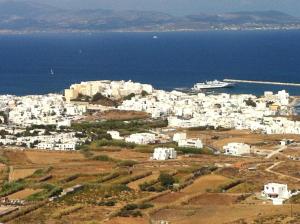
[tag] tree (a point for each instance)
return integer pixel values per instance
(166, 180)
(250, 102)
(131, 95)
(144, 93)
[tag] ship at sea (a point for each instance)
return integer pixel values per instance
(212, 85)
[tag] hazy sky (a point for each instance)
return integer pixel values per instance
(181, 7)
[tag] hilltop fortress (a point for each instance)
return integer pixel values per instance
(111, 89)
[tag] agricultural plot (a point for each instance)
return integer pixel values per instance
(17, 174)
(121, 185)
(23, 194)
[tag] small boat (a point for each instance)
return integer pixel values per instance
(212, 85)
(155, 37)
(52, 72)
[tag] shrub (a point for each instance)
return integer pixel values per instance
(129, 210)
(125, 213)
(250, 102)
(103, 158)
(129, 163)
(49, 191)
(128, 97)
(145, 206)
(120, 188)
(107, 203)
(12, 187)
(295, 199)
(136, 214)
(100, 135)
(130, 207)
(144, 93)
(147, 185)
(166, 180)
(38, 173)
(42, 172)
(117, 143)
(4, 160)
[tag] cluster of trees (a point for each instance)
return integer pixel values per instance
(133, 209)
(250, 102)
(98, 130)
(165, 181)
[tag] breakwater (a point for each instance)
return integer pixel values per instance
(262, 82)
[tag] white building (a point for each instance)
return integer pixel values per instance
(115, 135)
(285, 142)
(192, 143)
(164, 154)
(64, 123)
(236, 149)
(276, 192)
(141, 138)
(179, 136)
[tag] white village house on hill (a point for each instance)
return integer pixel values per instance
(236, 149)
(164, 154)
(115, 135)
(278, 193)
(183, 141)
(141, 138)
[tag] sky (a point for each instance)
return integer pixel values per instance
(183, 7)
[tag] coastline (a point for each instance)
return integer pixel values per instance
(28, 32)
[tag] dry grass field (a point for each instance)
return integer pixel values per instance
(17, 174)
(135, 184)
(23, 194)
(117, 115)
(111, 179)
(214, 214)
(201, 184)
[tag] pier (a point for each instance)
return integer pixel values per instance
(262, 82)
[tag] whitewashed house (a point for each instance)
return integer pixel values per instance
(236, 149)
(141, 138)
(70, 146)
(46, 145)
(192, 143)
(164, 154)
(179, 136)
(64, 123)
(278, 193)
(115, 135)
(285, 142)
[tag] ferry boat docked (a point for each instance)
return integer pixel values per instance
(212, 85)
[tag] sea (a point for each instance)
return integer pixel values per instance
(49, 63)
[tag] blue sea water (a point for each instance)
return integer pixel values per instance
(173, 60)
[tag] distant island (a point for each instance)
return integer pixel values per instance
(27, 17)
